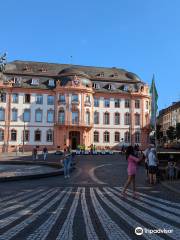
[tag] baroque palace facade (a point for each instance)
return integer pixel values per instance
(53, 105)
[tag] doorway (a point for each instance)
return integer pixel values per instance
(74, 137)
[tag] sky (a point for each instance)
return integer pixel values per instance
(140, 36)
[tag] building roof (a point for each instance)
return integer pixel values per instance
(54, 70)
(174, 106)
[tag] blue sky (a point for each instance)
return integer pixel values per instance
(140, 36)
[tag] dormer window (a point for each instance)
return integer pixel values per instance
(34, 82)
(43, 69)
(115, 75)
(51, 83)
(17, 80)
(27, 68)
(100, 74)
(109, 86)
(96, 85)
(126, 87)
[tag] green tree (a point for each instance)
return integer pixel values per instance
(159, 133)
(178, 130)
(171, 133)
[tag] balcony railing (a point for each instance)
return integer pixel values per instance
(63, 102)
(75, 102)
(88, 104)
(74, 123)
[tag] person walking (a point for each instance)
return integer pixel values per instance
(146, 153)
(67, 163)
(45, 152)
(152, 166)
(132, 168)
(34, 153)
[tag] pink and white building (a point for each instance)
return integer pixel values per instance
(53, 105)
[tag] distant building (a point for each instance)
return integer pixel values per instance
(169, 116)
(53, 105)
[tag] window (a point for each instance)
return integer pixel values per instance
(37, 135)
(88, 118)
(62, 99)
(127, 137)
(3, 97)
(50, 100)
(126, 119)
(1, 135)
(25, 136)
(61, 116)
(34, 82)
(147, 105)
(2, 114)
(106, 118)
(49, 136)
(117, 137)
(51, 83)
(106, 103)
(96, 117)
(13, 135)
(88, 99)
(106, 137)
(117, 119)
(137, 137)
(50, 115)
(26, 115)
(14, 114)
(117, 103)
(96, 136)
(15, 98)
(127, 103)
(75, 98)
(27, 98)
(38, 115)
(96, 85)
(75, 117)
(39, 99)
(137, 103)
(96, 102)
(137, 119)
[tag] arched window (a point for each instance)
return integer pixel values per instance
(75, 117)
(137, 119)
(50, 115)
(106, 137)
(49, 136)
(117, 137)
(96, 117)
(137, 137)
(127, 137)
(37, 135)
(38, 115)
(61, 116)
(116, 118)
(2, 114)
(106, 118)
(1, 134)
(126, 119)
(88, 118)
(96, 136)
(14, 114)
(13, 135)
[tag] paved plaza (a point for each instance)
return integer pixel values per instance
(88, 205)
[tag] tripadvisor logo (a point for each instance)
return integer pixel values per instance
(138, 231)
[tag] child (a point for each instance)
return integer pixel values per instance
(171, 168)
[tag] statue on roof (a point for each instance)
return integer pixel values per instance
(3, 60)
